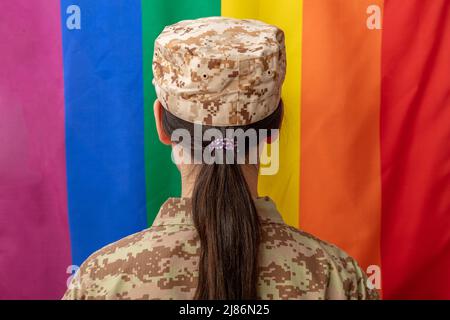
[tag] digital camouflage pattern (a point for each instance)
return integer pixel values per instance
(162, 262)
(219, 71)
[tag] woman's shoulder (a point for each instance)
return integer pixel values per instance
(317, 268)
(119, 249)
(321, 247)
(159, 238)
(104, 265)
(128, 261)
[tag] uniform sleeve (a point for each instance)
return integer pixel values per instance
(363, 291)
(77, 287)
(347, 280)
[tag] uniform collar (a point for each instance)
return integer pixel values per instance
(179, 211)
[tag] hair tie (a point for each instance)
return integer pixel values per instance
(222, 143)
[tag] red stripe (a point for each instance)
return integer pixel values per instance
(415, 149)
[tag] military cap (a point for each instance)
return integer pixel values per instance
(219, 71)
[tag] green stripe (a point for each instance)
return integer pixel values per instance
(161, 175)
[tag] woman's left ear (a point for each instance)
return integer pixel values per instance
(157, 109)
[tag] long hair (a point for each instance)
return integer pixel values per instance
(226, 219)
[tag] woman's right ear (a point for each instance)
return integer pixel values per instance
(163, 137)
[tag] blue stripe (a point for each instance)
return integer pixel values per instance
(104, 123)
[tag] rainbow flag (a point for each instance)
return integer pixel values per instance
(365, 143)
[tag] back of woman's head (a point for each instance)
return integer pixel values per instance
(224, 213)
(225, 79)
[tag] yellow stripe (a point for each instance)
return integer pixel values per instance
(283, 187)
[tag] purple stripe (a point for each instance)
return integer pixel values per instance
(34, 235)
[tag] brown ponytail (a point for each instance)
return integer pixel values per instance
(228, 226)
(226, 221)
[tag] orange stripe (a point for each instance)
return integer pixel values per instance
(340, 157)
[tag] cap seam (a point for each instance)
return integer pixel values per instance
(163, 49)
(221, 95)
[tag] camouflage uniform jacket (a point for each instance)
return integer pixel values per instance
(161, 262)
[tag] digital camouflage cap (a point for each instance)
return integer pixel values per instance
(219, 71)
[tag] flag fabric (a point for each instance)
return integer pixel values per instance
(364, 146)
